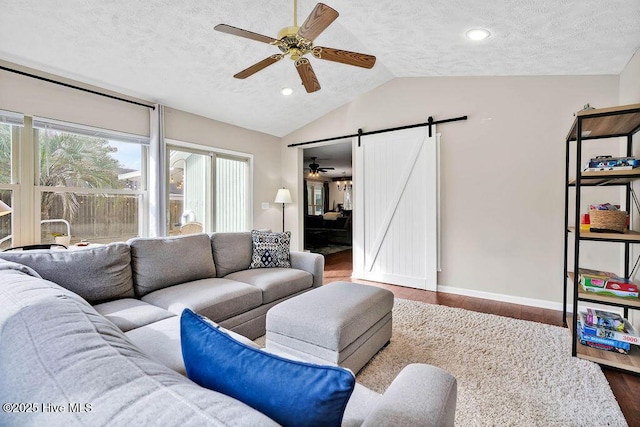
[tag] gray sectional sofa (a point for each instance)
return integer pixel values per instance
(92, 337)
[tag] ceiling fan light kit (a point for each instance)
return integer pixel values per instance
(315, 169)
(296, 42)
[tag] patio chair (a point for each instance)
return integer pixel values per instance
(191, 228)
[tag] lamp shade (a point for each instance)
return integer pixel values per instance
(283, 196)
(4, 208)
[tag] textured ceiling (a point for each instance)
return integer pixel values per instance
(167, 51)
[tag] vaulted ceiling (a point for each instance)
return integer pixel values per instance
(168, 52)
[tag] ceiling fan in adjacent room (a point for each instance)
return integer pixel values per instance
(296, 42)
(314, 168)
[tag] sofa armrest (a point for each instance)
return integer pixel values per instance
(307, 261)
(420, 395)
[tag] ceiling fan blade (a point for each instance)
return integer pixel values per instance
(326, 169)
(344, 57)
(320, 18)
(258, 66)
(224, 28)
(308, 76)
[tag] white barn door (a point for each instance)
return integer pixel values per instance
(396, 208)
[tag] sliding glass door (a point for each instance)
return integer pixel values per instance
(232, 193)
(208, 191)
(190, 185)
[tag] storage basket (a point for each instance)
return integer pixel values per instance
(607, 221)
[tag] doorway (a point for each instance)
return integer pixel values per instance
(328, 198)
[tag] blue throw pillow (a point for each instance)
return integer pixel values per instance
(291, 393)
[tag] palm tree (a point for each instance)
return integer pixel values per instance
(69, 160)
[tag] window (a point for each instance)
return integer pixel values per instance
(189, 188)
(91, 179)
(315, 194)
(10, 124)
(232, 195)
(91, 184)
(209, 187)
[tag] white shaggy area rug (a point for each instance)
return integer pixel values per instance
(510, 372)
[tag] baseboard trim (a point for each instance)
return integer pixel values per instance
(532, 302)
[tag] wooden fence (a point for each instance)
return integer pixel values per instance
(99, 219)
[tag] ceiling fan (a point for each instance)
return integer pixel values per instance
(314, 168)
(296, 42)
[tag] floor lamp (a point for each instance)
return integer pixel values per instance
(283, 196)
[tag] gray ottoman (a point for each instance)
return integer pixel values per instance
(341, 323)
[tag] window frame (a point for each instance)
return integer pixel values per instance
(214, 153)
(17, 122)
(311, 200)
(25, 185)
(93, 132)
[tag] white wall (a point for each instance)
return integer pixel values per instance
(34, 97)
(502, 171)
(29, 96)
(630, 81)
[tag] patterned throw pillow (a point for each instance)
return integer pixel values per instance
(270, 249)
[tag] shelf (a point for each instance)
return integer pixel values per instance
(607, 122)
(628, 236)
(604, 299)
(607, 178)
(614, 122)
(629, 362)
(607, 299)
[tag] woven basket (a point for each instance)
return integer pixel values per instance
(607, 221)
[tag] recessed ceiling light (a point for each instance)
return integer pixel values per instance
(286, 91)
(477, 34)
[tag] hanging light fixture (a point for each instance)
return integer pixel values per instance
(344, 183)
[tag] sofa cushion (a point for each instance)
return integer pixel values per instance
(56, 349)
(218, 299)
(96, 274)
(159, 262)
(290, 392)
(270, 249)
(231, 252)
(275, 283)
(130, 313)
(161, 341)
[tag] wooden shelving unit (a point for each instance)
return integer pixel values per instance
(628, 362)
(628, 236)
(604, 299)
(607, 178)
(614, 122)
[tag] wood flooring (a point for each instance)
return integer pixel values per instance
(625, 386)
